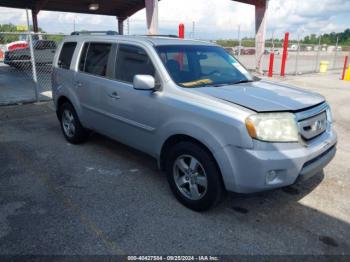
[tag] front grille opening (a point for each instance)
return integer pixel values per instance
(314, 126)
(318, 157)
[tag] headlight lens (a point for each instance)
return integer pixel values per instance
(273, 127)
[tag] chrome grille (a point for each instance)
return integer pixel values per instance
(313, 122)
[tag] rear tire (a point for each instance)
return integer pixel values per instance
(71, 127)
(194, 176)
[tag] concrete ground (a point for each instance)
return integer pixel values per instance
(17, 86)
(105, 198)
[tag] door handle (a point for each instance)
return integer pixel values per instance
(78, 84)
(114, 95)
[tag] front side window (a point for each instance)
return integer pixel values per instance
(131, 61)
(66, 55)
(196, 66)
(97, 59)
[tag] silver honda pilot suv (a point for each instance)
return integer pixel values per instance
(211, 125)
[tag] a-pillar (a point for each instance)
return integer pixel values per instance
(260, 33)
(152, 16)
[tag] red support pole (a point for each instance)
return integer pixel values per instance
(181, 30)
(272, 59)
(285, 54)
(345, 66)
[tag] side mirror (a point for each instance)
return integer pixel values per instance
(144, 82)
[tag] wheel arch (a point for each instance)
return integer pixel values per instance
(60, 101)
(175, 139)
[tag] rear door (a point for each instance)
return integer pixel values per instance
(91, 82)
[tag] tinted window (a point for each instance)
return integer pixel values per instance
(179, 57)
(207, 66)
(97, 58)
(131, 61)
(83, 56)
(66, 55)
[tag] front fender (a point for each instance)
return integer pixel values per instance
(211, 139)
(194, 130)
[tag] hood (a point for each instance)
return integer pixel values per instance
(264, 96)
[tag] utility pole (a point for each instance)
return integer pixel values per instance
(239, 41)
(335, 53)
(128, 26)
(318, 53)
(193, 29)
(297, 56)
(298, 51)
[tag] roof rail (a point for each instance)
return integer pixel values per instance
(172, 36)
(95, 32)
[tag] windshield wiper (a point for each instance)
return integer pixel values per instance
(229, 83)
(242, 81)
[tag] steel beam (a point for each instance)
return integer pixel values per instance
(35, 21)
(121, 25)
(152, 16)
(260, 34)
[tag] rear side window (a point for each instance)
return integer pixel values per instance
(66, 55)
(97, 58)
(131, 61)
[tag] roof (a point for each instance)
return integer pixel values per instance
(154, 40)
(253, 2)
(120, 8)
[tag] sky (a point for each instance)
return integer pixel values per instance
(212, 19)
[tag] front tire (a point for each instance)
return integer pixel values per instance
(71, 127)
(194, 176)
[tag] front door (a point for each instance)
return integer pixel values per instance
(134, 114)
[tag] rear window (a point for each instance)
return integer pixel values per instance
(96, 59)
(66, 55)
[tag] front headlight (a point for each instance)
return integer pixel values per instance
(273, 127)
(329, 115)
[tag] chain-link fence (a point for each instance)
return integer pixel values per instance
(301, 58)
(25, 66)
(26, 61)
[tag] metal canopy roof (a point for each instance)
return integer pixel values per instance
(120, 8)
(253, 2)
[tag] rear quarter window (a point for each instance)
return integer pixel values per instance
(66, 55)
